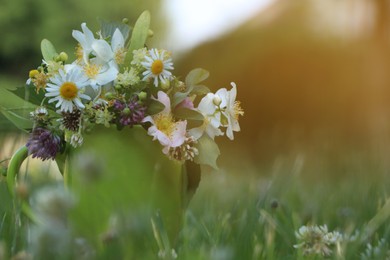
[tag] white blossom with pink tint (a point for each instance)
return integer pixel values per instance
(165, 129)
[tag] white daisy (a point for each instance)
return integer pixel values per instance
(66, 88)
(157, 65)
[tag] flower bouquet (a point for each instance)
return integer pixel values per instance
(117, 81)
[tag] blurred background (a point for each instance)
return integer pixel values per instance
(312, 76)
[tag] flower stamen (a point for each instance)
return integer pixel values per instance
(79, 53)
(92, 70)
(120, 55)
(238, 111)
(165, 123)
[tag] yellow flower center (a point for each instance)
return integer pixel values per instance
(68, 91)
(157, 67)
(91, 70)
(165, 124)
(238, 111)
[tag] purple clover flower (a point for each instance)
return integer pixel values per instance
(43, 144)
(129, 113)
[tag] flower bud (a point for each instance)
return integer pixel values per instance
(180, 85)
(150, 33)
(224, 120)
(109, 95)
(217, 100)
(165, 84)
(33, 73)
(142, 95)
(63, 56)
(125, 20)
(118, 87)
(126, 111)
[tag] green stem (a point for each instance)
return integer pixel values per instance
(67, 173)
(13, 169)
(381, 217)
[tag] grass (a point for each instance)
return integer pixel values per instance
(250, 214)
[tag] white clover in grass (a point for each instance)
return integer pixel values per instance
(157, 64)
(212, 118)
(231, 110)
(66, 88)
(378, 251)
(317, 240)
(165, 129)
(85, 39)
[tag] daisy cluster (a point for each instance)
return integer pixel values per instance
(111, 83)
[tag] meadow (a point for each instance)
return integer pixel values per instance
(247, 211)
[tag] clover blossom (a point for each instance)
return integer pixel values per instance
(129, 113)
(317, 240)
(43, 144)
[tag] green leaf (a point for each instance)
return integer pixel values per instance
(193, 117)
(155, 107)
(29, 94)
(196, 76)
(160, 233)
(188, 114)
(191, 179)
(200, 90)
(16, 118)
(108, 29)
(178, 97)
(208, 152)
(48, 50)
(16, 109)
(139, 35)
